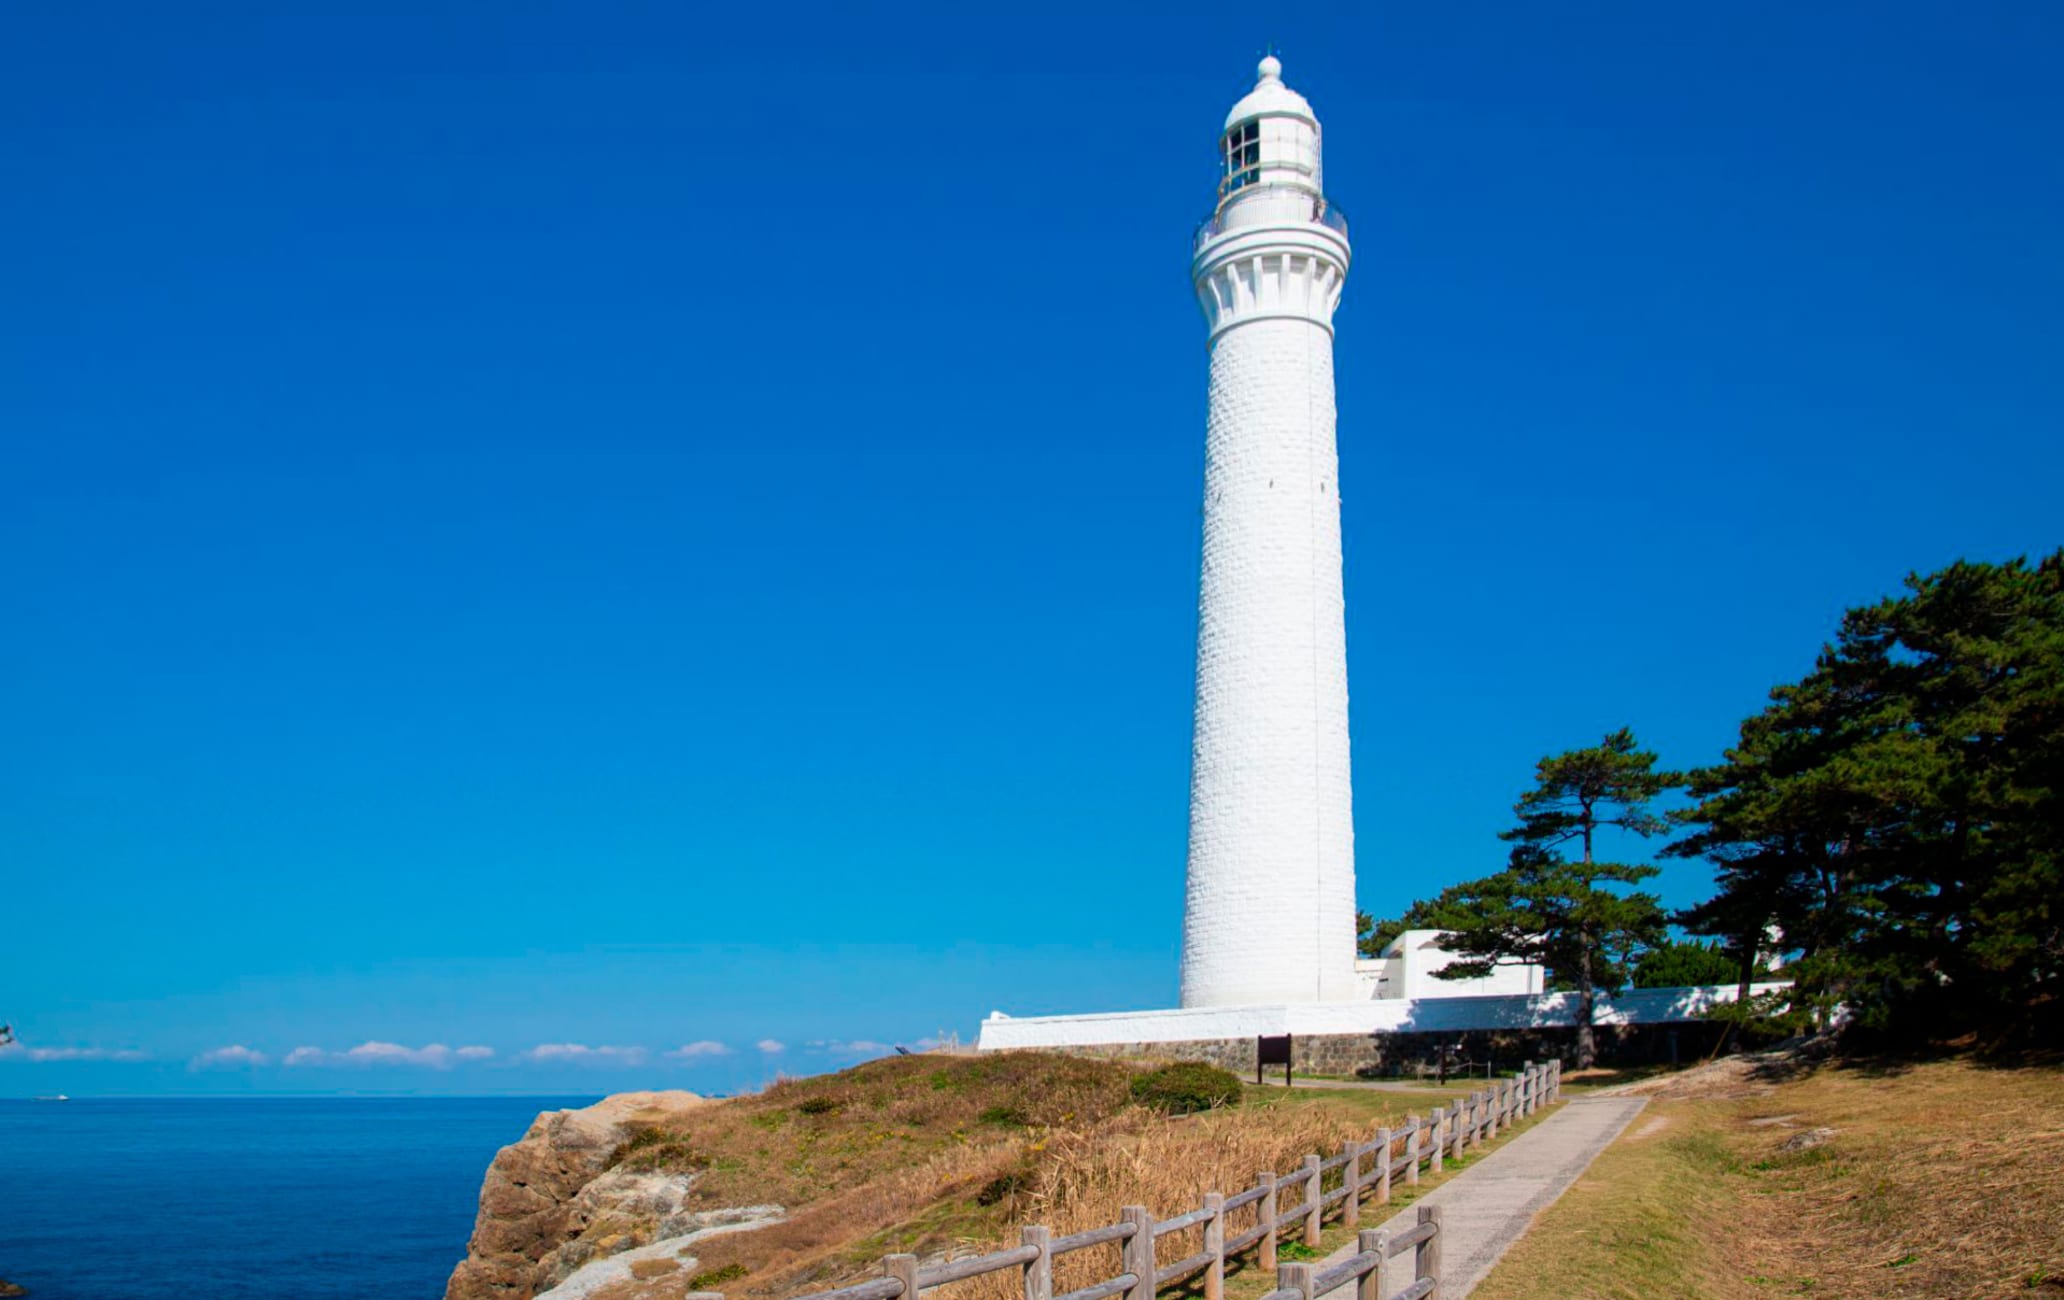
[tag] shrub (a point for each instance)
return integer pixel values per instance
(1004, 1187)
(817, 1106)
(1003, 1117)
(650, 1149)
(1186, 1088)
(717, 1277)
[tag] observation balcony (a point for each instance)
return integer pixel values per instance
(1317, 209)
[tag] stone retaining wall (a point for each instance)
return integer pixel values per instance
(1414, 1054)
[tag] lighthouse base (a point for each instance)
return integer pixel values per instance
(1376, 1036)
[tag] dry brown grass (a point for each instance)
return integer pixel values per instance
(1942, 1181)
(898, 1151)
(951, 1154)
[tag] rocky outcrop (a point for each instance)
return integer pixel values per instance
(664, 1269)
(551, 1203)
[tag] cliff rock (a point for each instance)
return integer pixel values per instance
(550, 1202)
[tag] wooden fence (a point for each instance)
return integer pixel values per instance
(1366, 1170)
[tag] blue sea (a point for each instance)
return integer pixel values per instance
(370, 1198)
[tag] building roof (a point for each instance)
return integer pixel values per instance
(1270, 97)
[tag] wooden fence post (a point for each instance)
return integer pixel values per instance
(1426, 1259)
(1214, 1246)
(1351, 1180)
(1412, 1153)
(1383, 1140)
(903, 1268)
(1295, 1277)
(1312, 1203)
(1526, 1094)
(1375, 1284)
(1139, 1252)
(1438, 1120)
(1039, 1268)
(1265, 1217)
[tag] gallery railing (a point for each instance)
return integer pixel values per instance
(1323, 211)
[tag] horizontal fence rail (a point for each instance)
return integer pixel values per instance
(1367, 1170)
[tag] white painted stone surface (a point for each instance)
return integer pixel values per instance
(1407, 970)
(1447, 1015)
(1269, 904)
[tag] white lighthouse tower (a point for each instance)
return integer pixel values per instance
(1268, 945)
(1269, 912)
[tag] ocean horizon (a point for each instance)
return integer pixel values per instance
(318, 1197)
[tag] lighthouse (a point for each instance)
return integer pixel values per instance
(1269, 903)
(1268, 944)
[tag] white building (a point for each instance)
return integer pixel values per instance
(1406, 970)
(1269, 912)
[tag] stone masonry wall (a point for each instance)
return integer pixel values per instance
(1413, 1054)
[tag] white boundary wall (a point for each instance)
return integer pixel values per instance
(1417, 1015)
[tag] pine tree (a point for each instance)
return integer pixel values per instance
(1573, 917)
(1898, 814)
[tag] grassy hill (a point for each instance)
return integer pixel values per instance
(933, 1153)
(1910, 1181)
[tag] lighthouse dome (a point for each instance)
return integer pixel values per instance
(1270, 149)
(1270, 97)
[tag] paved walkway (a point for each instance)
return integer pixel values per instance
(1487, 1207)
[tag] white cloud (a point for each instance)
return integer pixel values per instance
(236, 1056)
(434, 1056)
(771, 1046)
(19, 1051)
(582, 1054)
(696, 1050)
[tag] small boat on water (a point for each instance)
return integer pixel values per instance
(59, 1097)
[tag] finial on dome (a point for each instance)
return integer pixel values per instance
(1271, 68)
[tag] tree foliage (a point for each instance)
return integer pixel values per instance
(1679, 963)
(1373, 936)
(1893, 818)
(1575, 917)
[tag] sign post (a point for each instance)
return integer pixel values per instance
(1272, 1050)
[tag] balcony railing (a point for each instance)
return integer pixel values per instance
(1323, 211)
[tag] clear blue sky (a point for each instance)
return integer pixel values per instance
(629, 526)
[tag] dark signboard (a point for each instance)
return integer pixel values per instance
(1272, 1050)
